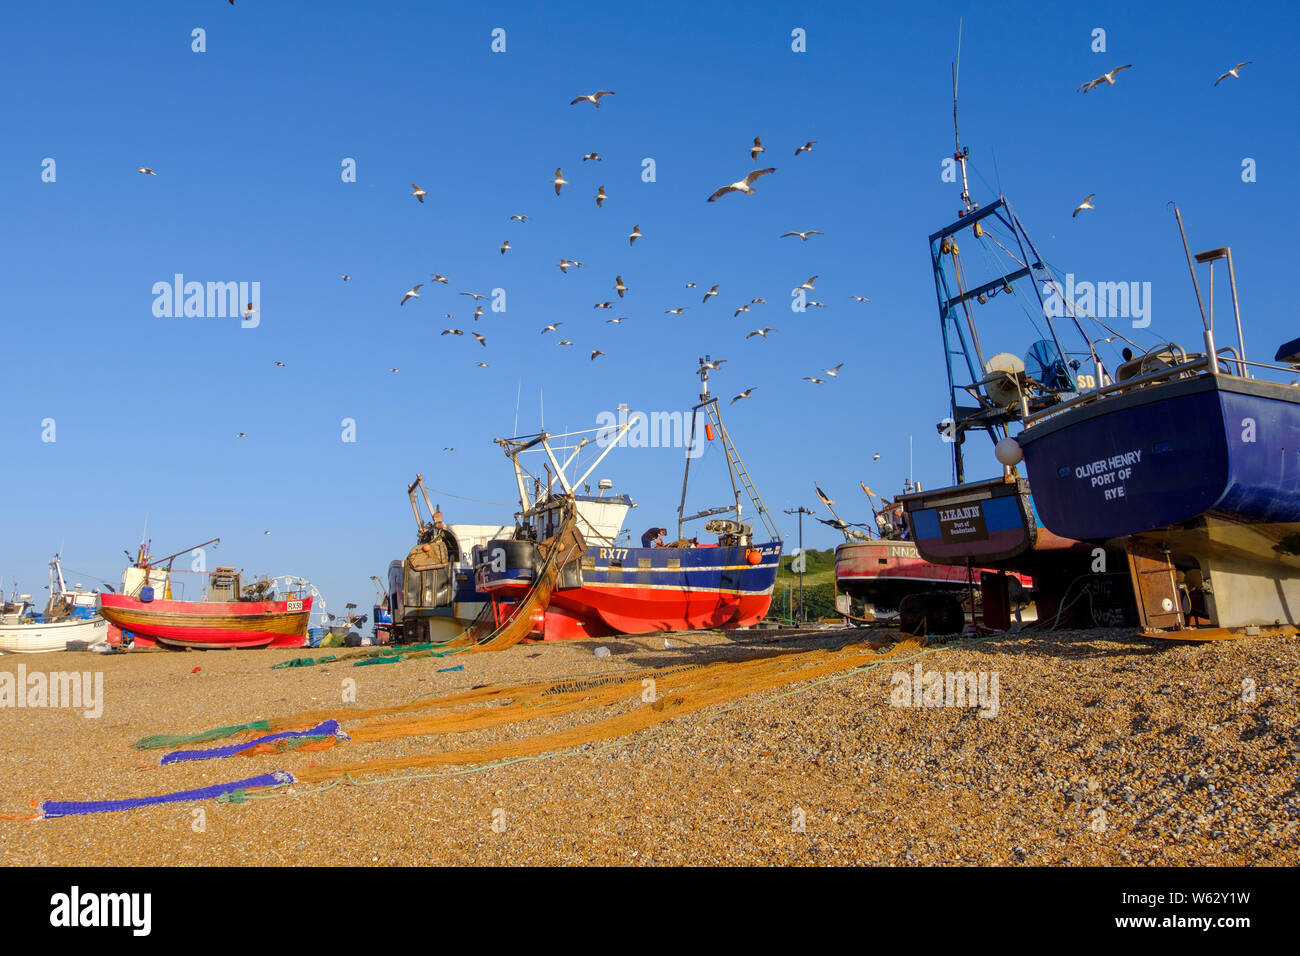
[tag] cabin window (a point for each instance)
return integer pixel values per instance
(643, 564)
(674, 563)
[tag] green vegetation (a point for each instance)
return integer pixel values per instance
(818, 587)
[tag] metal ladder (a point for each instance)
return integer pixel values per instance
(737, 465)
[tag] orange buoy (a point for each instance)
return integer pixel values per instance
(754, 557)
(708, 431)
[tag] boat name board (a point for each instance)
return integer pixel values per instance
(962, 524)
(1110, 473)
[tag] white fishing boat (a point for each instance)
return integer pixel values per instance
(70, 615)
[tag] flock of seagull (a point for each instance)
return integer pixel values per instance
(744, 185)
(1109, 80)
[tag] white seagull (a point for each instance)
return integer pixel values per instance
(756, 149)
(634, 235)
(440, 278)
(592, 98)
(519, 219)
(147, 171)
(413, 294)
(559, 180)
(505, 247)
(744, 394)
(833, 372)
(587, 156)
(745, 185)
(596, 352)
(802, 235)
(710, 294)
(1107, 78)
(619, 287)
(552, 327)
(760, 332)
(1086, 204)
(1232, 73)
(600, 197)
(806, 147)
(418, 193)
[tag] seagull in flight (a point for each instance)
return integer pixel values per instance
(481, 364)
(552, 327)
(1232, 73)
(876, 457)
(710, 294)
(473, 295)
(802, 235)
(559, 180)
(592, 98)
(756, 148)
(862, 298)
(745, 185)
(505, 247)
(815, 305)
(744, 394)
(452, 332)
(394, 370)
(712, 365)
(1086, 204)
(621, 318)
(478, 312)
(677, 311)
(634, 235)
(762, 333)
(603, 305)
(439, 278)
(566, 264)
(587, 156)
(519, 219)
(809, 284)
(815, 381)
(806, 147)
(619, 287)
(690, 285)
(757, 301)
(419, 193)
(600, 197)
(279, 365)
(241, 435)
(564, 342)
(481, 341)
(1107, 78)
(833, 372)
(146, 171)
(596, 352)
(743, 308)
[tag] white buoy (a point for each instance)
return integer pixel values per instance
(1009, 452)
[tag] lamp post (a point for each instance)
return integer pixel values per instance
(803, 558)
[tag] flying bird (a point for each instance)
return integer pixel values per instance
(600, 197)
(519, 218)
(743, 308)
(559, 180)
(677, 311)
(241, 435)
(264, 532)
(690, 285)
(802, 235)
(862, 298)
(1086, 204)
(592, 98)
(439, 278)
(478, 312)
(757, 301)
(505, 247)
(806, 147)
(760, 332)
(564, 342)
(712, 365)
(481, 341)
(552, 327)
(587, 156)
(452, 332)
(815, 381)
(345, 278)
(876, 457)
(809, 284)
(279, 365)
(603, 305)
(634, 235)
(744, 394)
(473, 295)
(745, 185)
(596, 352)
(481, 364)
(147, 171)
(1107, 78)
(1231, 73)
(756, 149)
(710, 294)
(419, 193)
(833, 372)
(815, 305)
(249, 311)
(413, 294)
(619, 287)
(394, 370)
(621, 318)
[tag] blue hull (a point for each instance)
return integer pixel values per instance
(1216, 446)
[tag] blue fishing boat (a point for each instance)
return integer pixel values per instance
(1192, 458)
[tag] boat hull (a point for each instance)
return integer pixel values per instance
(48, 638)
(210, 625)
(625, 591)
(1206, 469)
(881, 572)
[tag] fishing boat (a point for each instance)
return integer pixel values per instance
(1189, 460)
(992, 524)
(611, 588)
(69, 616)
(431, 595)
(227, 614)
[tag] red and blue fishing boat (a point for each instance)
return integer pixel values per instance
(227, 615)
(615, 587)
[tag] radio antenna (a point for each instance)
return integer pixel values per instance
(960, 154)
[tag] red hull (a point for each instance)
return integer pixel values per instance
(603, 610)
(210, 625)
(887, 570)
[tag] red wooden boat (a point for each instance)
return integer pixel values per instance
(228, 616)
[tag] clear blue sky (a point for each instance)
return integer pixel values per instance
(247, 140)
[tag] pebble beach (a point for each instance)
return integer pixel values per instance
(1105, 748)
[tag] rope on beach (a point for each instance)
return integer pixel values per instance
(328, 728)
(57, 808)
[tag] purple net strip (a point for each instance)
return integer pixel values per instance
(56, 808)
(325, 728)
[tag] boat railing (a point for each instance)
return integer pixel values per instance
(1198, 365)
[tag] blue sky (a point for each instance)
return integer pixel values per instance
(248, 138)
